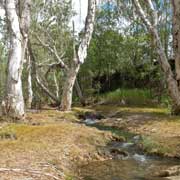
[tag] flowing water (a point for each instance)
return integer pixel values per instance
(135, 166)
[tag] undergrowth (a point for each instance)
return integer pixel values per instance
(128, 97)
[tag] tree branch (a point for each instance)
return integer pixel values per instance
(46, 90)
(54, 51)
(142, 14)
(154, 12)
(89, 27)
(37, 78)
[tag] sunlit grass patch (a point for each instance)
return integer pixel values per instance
(52, 116)
(154, 111)
(129, 97)
(51, 138)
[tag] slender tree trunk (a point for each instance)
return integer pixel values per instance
(13, 104)
(24, 11)
(79, 93)
(56, 85)
(80, 56)
(30, 91)
(176, 37)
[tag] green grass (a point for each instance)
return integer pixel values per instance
(129, 97)
(69, 177)
(153, 147)
(7, 133)
(117, 132)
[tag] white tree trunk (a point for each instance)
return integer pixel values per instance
(24, 23)
(66, 101)
(56, 84)
(79, 93)
(30, 91)
(13, 104)
(176, 36)
(170, 80)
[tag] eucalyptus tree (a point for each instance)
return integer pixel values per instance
(152, 26)
(62, 47)
(18, 25)
(50, 47)
(79, 57)
(176, 37)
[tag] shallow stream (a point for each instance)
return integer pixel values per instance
(135, 166)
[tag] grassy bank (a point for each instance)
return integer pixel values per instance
(159, 130)
(48, 142)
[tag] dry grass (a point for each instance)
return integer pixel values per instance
(48, 137)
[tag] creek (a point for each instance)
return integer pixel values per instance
(133, 164)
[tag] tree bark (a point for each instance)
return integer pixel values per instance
(13, 104)
(56, 84)
(30, 91)
(24, 23)
(79, 57)
(170, 80)
(79, 93)
(66, 101)
(176, 37)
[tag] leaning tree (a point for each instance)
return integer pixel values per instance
(152, 26)
(176, 37)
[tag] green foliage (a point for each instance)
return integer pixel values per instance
(120, 46)
(113, 51)
(121, 134)
(128, 97)
(69, 177)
